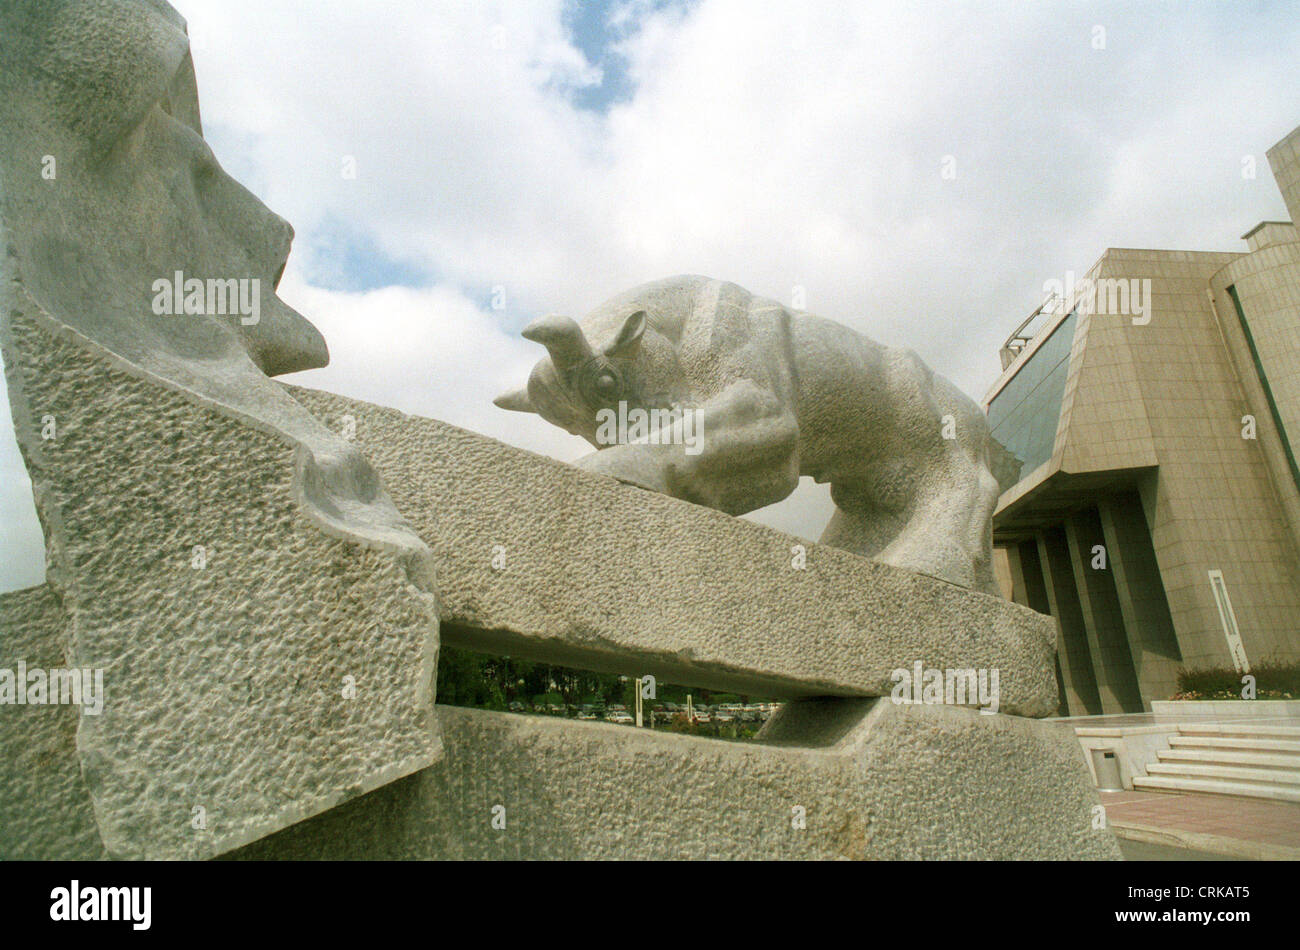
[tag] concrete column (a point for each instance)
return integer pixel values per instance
(1152, 642)
(1077, 677)
(1017, 570)
(1103, 620)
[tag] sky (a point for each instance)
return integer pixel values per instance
(917, 170)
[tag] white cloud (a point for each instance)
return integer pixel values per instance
(22, 550)
(429, 352)
(802, 145)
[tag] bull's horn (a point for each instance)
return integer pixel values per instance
(516, 400)
(563, 338)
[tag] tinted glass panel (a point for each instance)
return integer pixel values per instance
(1025, 413)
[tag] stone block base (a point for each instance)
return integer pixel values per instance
(873, 781)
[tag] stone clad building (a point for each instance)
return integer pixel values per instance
(1154, 407)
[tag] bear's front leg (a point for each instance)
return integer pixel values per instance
(740, 452)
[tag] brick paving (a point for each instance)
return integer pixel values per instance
(1240, 827)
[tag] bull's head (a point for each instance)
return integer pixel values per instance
(570, 387)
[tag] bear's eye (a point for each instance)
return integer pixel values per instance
(602, 385)
(607, 384)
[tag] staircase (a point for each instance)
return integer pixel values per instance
(1253, 761)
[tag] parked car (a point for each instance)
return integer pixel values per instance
(620, 716)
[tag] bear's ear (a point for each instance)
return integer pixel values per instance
(516, 401)
(629, 338)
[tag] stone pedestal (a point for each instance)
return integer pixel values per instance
(899, 783)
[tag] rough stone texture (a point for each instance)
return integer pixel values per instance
(907, 782)
(606, 576)
(779, 394)
(45, 810)
(813, 723)
(224, 683)
(876, 781)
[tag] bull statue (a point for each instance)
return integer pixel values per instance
(698, 389)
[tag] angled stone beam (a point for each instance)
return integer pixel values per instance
(538, 559)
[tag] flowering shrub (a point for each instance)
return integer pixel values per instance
(1273, 680)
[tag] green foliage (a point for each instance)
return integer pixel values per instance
(1273, 680)
(482, 681)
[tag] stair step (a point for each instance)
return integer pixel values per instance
(1166, 783)
(1262, 760)
(1231, 773)
(1242, 744)
(1260, 731)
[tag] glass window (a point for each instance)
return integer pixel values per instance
(1025, 413)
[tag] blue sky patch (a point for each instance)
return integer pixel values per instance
(597, 27)
(339, 257)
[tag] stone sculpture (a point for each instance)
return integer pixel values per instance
(250, 567)
(776, 394)
(205, 534)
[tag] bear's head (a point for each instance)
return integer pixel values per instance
(571, 386)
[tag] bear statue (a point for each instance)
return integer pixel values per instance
(744, 396)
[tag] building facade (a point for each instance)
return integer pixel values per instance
(1154, 410)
